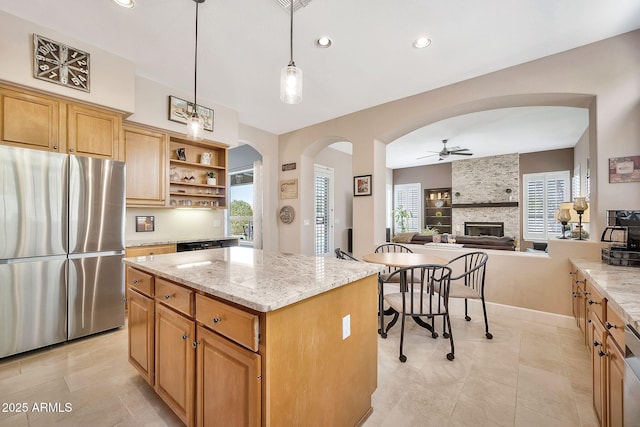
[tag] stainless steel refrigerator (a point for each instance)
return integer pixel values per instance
(61, 246)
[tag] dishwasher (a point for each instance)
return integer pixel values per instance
(631, 377)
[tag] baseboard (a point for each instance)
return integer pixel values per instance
(456, 305)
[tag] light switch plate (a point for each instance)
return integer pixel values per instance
(346, 326)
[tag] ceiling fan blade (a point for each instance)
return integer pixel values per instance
(462, 154)
(428, 155)
(455, 149)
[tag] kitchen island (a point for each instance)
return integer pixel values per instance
(239, 336)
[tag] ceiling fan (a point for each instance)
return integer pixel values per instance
(445, 152)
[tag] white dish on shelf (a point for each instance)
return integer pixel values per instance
(439, 203)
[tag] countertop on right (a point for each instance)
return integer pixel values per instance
(620, 285)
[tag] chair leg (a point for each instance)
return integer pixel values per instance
(450, 356)
(466, 311)
(391, 323)
(403, 358)
(486, 322)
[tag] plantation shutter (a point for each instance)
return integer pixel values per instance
(543, 194)
(322, 215)
(408, 196)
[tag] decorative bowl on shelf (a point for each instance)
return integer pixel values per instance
(439, 203)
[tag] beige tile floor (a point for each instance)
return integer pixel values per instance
(530, 374)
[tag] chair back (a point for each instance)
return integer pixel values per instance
(340, 254)
(392, 247)
(471, 269)
(424, 289)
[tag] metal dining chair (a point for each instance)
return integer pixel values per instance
(467, 281)
(387, 277)
(424, 293)
(340, 254)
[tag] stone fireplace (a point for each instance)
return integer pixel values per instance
(479, 189)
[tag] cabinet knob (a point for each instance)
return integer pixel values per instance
(72, 150)
(167, 296)
(194, 344)
(575, 295)
(55, 147)
(217, 320)
(609, 325)
(596, 343)
(184, 337)
(591, 302)
(601, 353)
(136, 281)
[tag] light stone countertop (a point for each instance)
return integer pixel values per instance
(620, 285)
(254, 278)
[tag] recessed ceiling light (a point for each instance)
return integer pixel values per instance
(422, 42)
(324, 42)
(125, 3)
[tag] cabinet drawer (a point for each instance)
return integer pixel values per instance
(150, 250)
(175, 296)
(615, 325)
(140, 281)
(596, 302)
(235, 324)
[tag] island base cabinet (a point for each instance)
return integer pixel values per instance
(228, 383)
(615, 384)
(175, 360)
(141, 334)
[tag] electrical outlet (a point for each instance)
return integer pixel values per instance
(346, 326)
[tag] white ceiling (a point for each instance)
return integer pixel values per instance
(244, 44)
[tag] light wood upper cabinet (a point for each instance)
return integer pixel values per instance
(30, 121)
(146, 157)
(94, 133)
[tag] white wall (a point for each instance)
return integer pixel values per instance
(112, 77)
(176, 224)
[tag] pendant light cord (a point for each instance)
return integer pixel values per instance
(291, 63)
(195, 69)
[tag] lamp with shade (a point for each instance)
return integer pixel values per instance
(563, 216)
(581, 207)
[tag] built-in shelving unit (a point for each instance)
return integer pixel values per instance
(437, 209)
(188, 185)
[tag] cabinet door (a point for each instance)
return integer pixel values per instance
(582, 307)
(598, 368)
(93, 133)
(228, 391)
(146, 157)
(175, 360)
(29, 121)
(615, 384)
(141, 334)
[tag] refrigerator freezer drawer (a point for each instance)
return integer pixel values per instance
(96, 294)
(33, 305)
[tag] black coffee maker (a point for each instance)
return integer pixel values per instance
(623, 234)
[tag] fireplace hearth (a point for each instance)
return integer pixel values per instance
(478, 228)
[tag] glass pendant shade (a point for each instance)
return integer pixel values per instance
(564, 216)
(195, 124)
(580, 204)
(291, 84)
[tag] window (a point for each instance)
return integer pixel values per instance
(408, 196)
(241, 206)
(543, 193)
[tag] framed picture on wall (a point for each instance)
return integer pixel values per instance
(180, 110)
(145, 223)
(624, 169)
(362, 185)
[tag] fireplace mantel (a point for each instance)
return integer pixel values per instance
(486, 205)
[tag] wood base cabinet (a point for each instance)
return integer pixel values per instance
(228, 382)
(141, 334)
(175, 361)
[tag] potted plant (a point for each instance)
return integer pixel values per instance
(211, 178)
(401, 217)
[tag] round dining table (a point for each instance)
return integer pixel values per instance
(403, 259)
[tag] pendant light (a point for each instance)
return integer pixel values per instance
(291, 76)
(195, 123)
